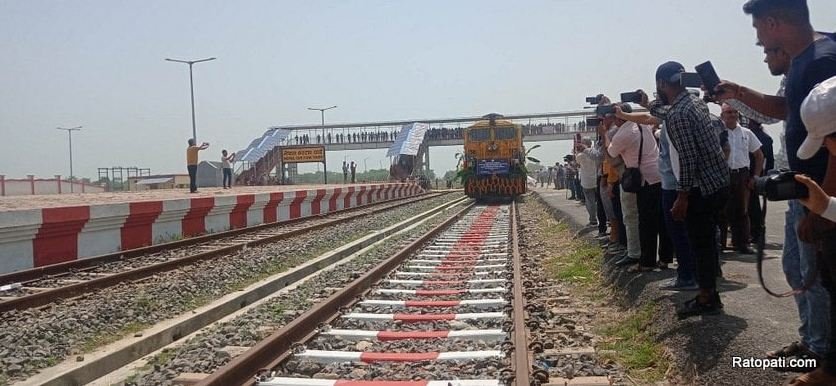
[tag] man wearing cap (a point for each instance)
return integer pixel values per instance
(702, 187)
(784, 27)
(818, 112)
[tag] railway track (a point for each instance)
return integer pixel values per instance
(43, 285)
(447, 309)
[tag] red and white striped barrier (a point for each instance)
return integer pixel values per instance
(38, 237)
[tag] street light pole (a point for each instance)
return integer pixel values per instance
(191, 88)
(322, 114)
(70, 135)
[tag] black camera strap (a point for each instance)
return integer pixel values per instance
(761, 245)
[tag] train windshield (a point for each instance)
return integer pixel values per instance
(479, 135)
(505, 133)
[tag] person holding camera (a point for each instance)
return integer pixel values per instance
(818, 113)
(191, 162)
(640, 185)
(784, 26)
(587, 159)
(702, 187)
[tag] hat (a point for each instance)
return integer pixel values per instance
(818, 112)
(669, 72)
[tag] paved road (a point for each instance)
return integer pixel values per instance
(753, 323)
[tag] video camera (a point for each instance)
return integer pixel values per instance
(569, 158)
(595, 99)
(780, 185)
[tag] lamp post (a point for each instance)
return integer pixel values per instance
(70, 135)
(191, 87)
(322, 114)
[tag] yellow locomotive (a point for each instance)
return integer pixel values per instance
(493, 162)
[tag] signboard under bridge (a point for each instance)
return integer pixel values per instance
(303, 154)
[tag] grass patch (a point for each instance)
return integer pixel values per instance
(633, 345)
(624, 337)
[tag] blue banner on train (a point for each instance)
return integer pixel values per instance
(490, 166)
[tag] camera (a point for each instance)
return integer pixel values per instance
(631, 97)
(604, 110)
(708, 76)
(595, 99)
(593, 122)
(690, 80)
(569, 158)
(780, 186)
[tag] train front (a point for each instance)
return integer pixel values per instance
(493, 161)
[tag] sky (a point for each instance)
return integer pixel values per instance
(100, 64)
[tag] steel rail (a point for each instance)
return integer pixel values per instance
(521, 361)
(273, 350)
(44, 297)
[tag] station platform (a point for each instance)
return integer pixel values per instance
(40, 230)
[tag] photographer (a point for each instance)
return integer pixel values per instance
(685, 279)
(636, 144)
(702, 188)
(784, 27)
(587, 158)
(818, 112)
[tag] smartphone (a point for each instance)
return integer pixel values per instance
(603, 110)
(593, 122)
(634, 97)
(690, 80)
(708, 75)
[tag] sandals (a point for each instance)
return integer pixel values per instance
(789, 350)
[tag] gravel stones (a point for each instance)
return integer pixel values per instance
(41, 337)
(254, 325)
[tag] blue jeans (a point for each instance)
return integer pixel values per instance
(678, 233)
(799, 262)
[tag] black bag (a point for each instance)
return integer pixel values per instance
(631, 179)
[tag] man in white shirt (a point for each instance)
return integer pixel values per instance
(636, 144)
(588, 160)
(742, 142)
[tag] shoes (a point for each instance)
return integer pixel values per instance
(693, 307)
(680, 285)
(807, 361)
(626, 260)
(638, 268)
(615, 249)
(662, 265)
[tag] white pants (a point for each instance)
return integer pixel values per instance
(630, 210)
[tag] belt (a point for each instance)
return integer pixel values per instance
(740, 170)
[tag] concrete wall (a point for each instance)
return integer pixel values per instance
(25, 186)
(39, 237)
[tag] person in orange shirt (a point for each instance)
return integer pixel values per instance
(191, 162)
